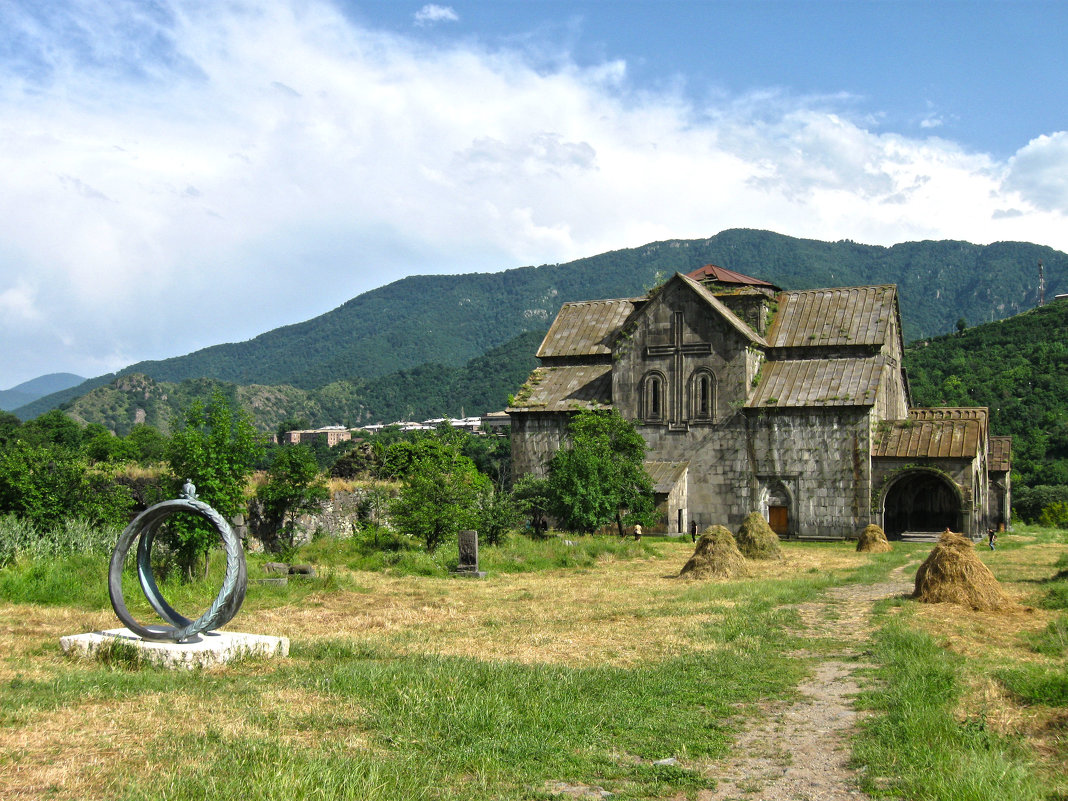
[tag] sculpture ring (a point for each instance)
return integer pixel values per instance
(143, 528)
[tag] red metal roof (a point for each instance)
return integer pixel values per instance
(724, 276)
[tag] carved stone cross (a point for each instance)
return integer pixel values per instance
(678, 350)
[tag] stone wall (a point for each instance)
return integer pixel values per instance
(814, 459)
(336, 517)
(536, 436)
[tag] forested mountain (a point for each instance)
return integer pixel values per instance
(29, 391)
(482, 385)
(1016, 367)
(447, 320)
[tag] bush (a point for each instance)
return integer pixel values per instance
(1028, 503)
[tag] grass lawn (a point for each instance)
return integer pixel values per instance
(568, 666)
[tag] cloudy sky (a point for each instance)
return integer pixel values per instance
(177, 174)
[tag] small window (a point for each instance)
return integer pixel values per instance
(702, 395)
(653, 397)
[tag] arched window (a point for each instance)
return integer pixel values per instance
(653, 400)
(702, 395)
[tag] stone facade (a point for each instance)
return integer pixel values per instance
(791, 403)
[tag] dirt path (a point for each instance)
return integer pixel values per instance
(799, 752)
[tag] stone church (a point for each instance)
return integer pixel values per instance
(792, 403)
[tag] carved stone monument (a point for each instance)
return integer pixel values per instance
(469, 555)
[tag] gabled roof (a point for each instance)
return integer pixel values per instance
(818, 382)
(564, 389)
(733, 319)
(927, 439)
(721, 275)
(842, 316)
(585, 328)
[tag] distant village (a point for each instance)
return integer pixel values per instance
(489, 423)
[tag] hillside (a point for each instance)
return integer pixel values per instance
(29, 391)
(480, 386)
(447, 320)
(1016, 367)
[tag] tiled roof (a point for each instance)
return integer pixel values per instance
(978, 413)
(721, 275)
(665, 475)
(1000, 454)
(585, 328)
(561, 389)
(844, 316)
(919, 439)
(819, 382)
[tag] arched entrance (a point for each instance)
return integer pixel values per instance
(921, 501)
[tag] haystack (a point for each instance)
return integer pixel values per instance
(756, 540)
(716, 556)
(953, 573)
(873, 540)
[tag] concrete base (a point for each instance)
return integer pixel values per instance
(205, 650)
(469, 573)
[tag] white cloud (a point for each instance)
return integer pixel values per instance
(431, 14)
(268, 162)
(1039, 172)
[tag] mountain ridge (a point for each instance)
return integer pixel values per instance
(448, 320)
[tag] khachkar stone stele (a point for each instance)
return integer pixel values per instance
(143, 531)
(178, 644)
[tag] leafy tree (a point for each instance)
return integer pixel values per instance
(49, 484)
(293, 486)
(147, 444)
(531, 496)
(599, 477)
(441, 495)
(53, 427)
(498, 513)
(215, 449)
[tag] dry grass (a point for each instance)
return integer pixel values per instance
(116, 738)
(873, 540)
(954, 573)
(993, 641)
(716, 556)
(756, 540)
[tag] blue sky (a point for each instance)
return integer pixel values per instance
(179, 174)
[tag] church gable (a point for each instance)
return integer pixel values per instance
(683, 358)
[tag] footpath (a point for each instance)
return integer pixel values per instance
(800, 751)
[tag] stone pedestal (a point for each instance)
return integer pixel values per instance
(205, 650)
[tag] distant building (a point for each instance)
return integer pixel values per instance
(794, 404)
(331, 434)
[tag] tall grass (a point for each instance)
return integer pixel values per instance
(916, 747)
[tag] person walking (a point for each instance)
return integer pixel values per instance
(693, 530)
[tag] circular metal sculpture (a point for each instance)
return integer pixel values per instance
(143, 529)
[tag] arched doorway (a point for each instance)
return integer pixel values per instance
(921, 501)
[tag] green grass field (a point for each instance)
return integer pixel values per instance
(577, 665)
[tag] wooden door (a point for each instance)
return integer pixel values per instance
(779, 519)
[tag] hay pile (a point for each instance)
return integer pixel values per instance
(716, 556)
(953, 573)
(756, 540)
(873, 540)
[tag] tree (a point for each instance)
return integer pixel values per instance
(49, 484)
(441, 494)
(599, 477)
(293, 486)
(215, 449)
